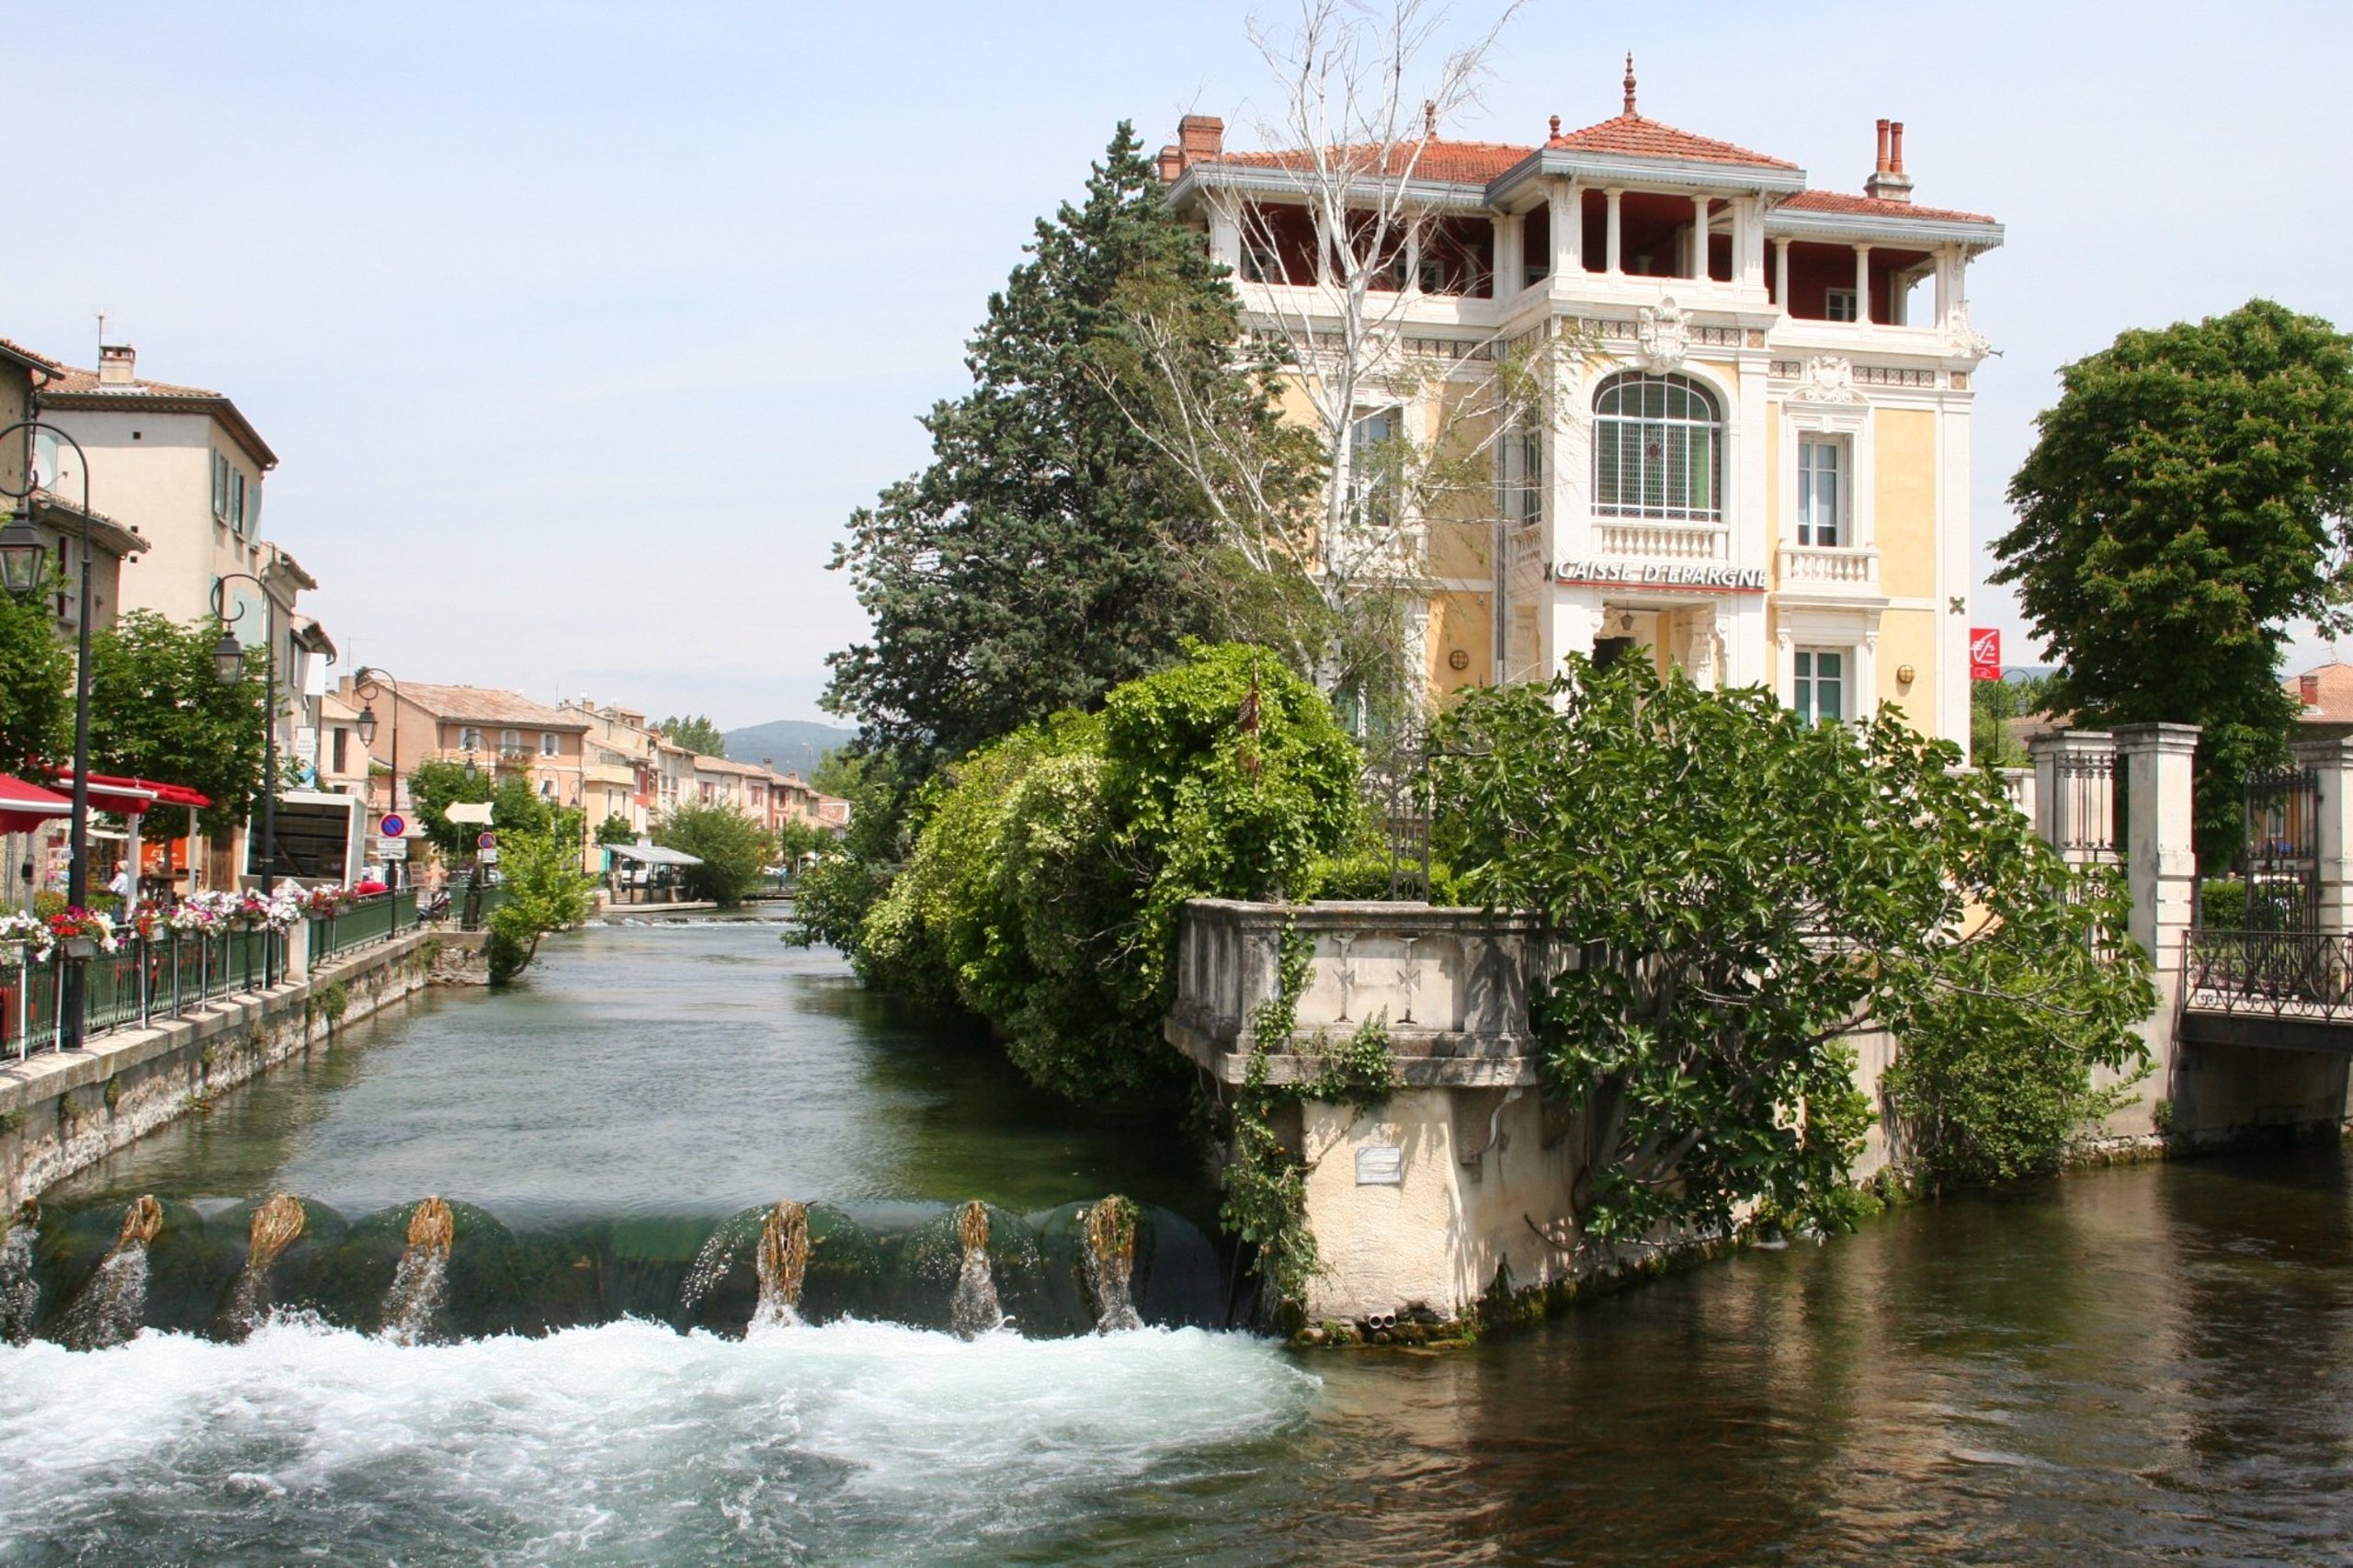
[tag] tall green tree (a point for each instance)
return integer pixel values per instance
(1039, 559)
(2187, 498)
(36, 678)
(545, 891)
(158, 711)
(433, 788)
(696, 732)
(735, 850)
(1746, 893)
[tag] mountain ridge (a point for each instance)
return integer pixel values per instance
(788, 745)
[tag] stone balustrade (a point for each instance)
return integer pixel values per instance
(1450, 985)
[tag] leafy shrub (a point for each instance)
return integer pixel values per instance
(1044, 888)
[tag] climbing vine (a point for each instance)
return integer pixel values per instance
(1266, 1180)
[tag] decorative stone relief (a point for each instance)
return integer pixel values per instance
(1962, 340)
(1664, 333)
(1829, 377)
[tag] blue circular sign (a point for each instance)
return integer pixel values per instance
(392, 826)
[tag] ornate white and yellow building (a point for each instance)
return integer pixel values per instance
(1755, 462)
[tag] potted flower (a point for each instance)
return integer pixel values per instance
(29, 935)
(83, 933)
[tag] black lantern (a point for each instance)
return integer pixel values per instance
(228, 659)
(22, 554)
(366, 725)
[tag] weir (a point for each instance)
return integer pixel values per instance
(93, 1276)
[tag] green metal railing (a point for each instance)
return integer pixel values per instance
(362, 922)
(135, 984)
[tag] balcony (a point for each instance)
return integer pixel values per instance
(1625, 540)
(1829, 571)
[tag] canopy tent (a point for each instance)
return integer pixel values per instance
(652, 855)
(131, 796)
(24, 807)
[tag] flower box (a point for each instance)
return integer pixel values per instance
(79, 947)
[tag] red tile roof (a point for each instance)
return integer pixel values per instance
(1460, 162)
(73, 387)
(1871, 207)
(73, 379)
(484, 705)
(2326, 691)
(1633, 136)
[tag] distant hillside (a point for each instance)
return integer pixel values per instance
(793, 745)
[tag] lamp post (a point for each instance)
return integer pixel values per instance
(364, 685)
(21, 557)
(229, 668)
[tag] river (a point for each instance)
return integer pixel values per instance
(2148, 1363)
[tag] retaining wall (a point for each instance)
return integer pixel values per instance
(62, 1112)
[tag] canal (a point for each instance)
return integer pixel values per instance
(2142, 1364)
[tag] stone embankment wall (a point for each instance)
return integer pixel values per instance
(62, 1112)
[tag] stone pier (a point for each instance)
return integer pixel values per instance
(1420, 1205)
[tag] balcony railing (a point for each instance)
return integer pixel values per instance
(132, 987)
(1660, 541)
(1829, 566)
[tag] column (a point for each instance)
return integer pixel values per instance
(2332, 763)
(1226, 236)
(2161, 863)
(1863, 285)
(1782, 275)
(1510, 269)
(1701, 210)
(1568, 228)
(1746, 271)
(1613, 264)
(2075, 794)
(1699, 646)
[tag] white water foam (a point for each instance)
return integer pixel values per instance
(848, 1442)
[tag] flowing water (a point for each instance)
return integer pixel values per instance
(698, 1127)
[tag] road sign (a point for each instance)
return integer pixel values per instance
(393, 849)
(489, 857)
(392, 826)
(486, 841)
(1985, 652)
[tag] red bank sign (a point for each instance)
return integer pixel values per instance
(1985, 652)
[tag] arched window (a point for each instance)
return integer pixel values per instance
(1657, 450)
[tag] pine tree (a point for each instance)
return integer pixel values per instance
(1042, 558)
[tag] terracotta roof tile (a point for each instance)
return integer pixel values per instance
(2329, 698)
(1633, 136)
(1872, 207)
(1457, 162)
(487, 704)
(73, 379)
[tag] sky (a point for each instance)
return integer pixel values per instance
(579, 328)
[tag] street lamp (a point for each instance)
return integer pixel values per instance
(367, 684)
(22, 555)
(21, 558)
(229, 668)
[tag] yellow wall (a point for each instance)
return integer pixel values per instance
(1904, 449)
(1909, 637)
(1465, 622)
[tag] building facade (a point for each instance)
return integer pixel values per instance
(1751, 453)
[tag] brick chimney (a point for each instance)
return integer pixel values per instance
(117, 365)
(1199, 136)
(1888, 181)
(1172, 163)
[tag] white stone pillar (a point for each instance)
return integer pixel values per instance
(2075, 792)
(1863, 286)
(2161, 855)
(2332, 765)
(1613, 264)
(1782, 275)
(1700, 209)
(1510, 266)
(1226, 236)
(1567, 215)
